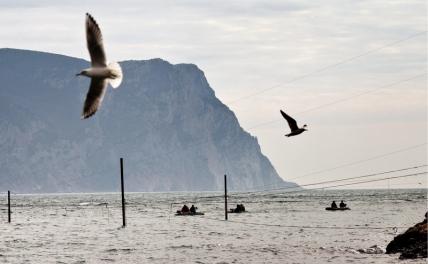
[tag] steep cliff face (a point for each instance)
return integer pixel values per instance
(164, 120)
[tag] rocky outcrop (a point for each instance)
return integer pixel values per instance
(412, 243)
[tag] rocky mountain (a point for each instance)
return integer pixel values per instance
(164, 120)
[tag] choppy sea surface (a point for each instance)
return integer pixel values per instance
(277, 227)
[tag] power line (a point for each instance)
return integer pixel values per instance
(360, 161)
(344, 179)
(347, 164)
(364, 176)
(333, 65)
(342, 100)
(376, 180)
(345, 184)
(360, 182)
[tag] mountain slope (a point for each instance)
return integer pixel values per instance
(164, 120)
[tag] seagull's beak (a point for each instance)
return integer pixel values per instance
(78, 74)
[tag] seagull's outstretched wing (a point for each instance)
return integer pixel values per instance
(95, 42)
(94, 97)
(291, 122)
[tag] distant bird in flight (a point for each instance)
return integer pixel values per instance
(101, 73)
(295, 130)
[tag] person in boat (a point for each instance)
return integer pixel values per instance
(193, 209)
(239, 208)
(333, 204)
(342, 204)
(185, 209)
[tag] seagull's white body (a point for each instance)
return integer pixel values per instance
(112, 72)
(98, 72)
(101, 73)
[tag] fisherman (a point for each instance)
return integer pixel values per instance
(242, 208)
(342, 204)
(333, 204)
(185, 209)
(193, 209)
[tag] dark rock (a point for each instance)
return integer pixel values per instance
(412, 243)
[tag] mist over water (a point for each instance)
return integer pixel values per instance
(278, 227)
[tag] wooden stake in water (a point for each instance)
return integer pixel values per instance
(8, 206)
(123, 193)
(225, 197)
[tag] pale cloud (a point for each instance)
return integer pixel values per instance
(247, 46)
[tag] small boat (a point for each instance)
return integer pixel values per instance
(92, 203)
(179, 213)
(337, 209)
(234, 211)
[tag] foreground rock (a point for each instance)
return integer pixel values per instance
(372, 250)
(412, 243)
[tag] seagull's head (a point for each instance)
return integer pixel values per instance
(304, 127)
(82, 73)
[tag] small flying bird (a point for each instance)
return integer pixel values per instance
(101, 73)
(295, 130)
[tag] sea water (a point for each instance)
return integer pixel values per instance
(277, 227)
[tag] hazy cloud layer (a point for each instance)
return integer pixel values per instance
(248, 46)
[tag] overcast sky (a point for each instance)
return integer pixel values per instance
(262, 49)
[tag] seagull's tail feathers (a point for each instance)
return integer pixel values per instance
(117, 70)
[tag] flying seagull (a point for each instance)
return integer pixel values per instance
(101, 73)
(295, 130)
